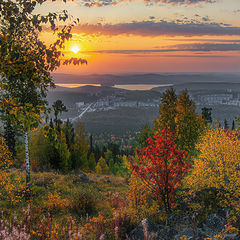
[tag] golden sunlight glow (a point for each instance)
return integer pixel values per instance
(75, 49)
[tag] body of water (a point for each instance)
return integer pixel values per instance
(141, 86)
(75, 85)
(125, 86)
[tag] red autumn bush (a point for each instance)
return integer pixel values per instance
(161, 167)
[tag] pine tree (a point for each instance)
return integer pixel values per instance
(108, 156)
(188, 123)
(97, 152)
(92, 162)
(68, 130)
(233, 125)
(64, 154)
(226, 124)
(167, 111)
(80, 149)
(58, 108)
(207, 115)
(10, 136)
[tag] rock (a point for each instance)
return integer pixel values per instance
(192, 233)
(223, 212)
(179, 222)
(146, 230)
(103, 236)
(188, 233)
(167, 233)
(231, 237)
(84, 178)
(237, 237)
(179, 226)
(214, 224)
(81, 178)
(202, 235)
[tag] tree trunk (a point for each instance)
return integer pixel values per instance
(27, 166)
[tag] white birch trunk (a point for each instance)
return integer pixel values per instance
(27, 161)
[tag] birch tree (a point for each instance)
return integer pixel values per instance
(26, 62)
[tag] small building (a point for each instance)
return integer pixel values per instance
(79, 104)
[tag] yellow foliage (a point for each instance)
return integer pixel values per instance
(55, 202)
(229, 229)
(11, 185)
(102, 167)
(218, 166)
(139, 206)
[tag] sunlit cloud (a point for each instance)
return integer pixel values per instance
(196, 47)
(101, 3)
(160, 28)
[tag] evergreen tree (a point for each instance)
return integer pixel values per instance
(207, 115)
(233, 125)
(102, 167)
(97, 152)
(226, 124)
(80, 149)
(64, 154)
(167, 112)
(115, 149)
(68, 130)
(108, 156)
(53, 136)
(91, 143)
(58, 108)
(188, 123)
(92, 162)
(112, 166)
(10, 136)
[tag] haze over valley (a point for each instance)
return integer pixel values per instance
(120, 103)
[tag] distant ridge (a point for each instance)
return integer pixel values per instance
(147, 78)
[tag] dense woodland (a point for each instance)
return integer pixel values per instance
(58, 183)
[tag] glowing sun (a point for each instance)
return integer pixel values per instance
(75, 49)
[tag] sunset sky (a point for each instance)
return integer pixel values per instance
(126, 36)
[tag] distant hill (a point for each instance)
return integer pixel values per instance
(148, 78)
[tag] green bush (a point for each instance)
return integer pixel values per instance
(84, 202)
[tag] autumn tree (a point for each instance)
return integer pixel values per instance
(41, 150)
(167, 111)
(80, 148)
(161, 167)
(178, 115)
(218, 166)
(144, 135)
(26, 62)
(11, 185)
(188, 124)
(102, 167)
